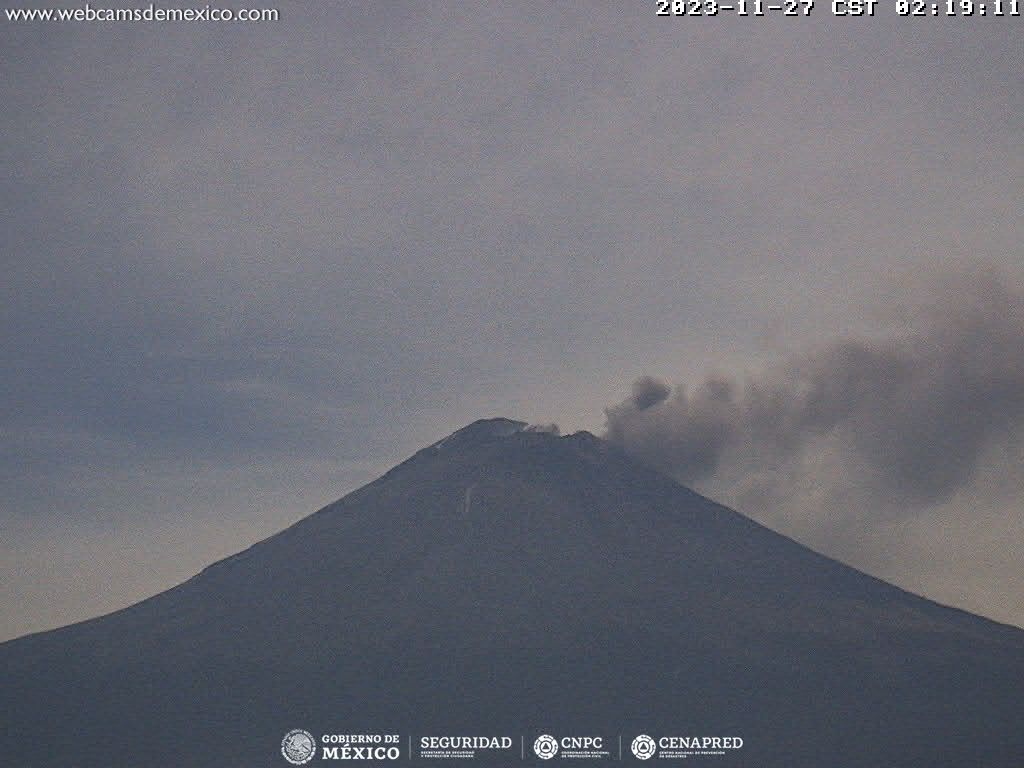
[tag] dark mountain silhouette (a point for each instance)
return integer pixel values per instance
(508, 582)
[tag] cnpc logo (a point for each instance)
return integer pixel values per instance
(546, 746)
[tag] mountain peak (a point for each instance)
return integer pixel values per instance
(479, 432)
(493, 427)
(505, 577)
(488, 431)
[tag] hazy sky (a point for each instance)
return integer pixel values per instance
(246, 268)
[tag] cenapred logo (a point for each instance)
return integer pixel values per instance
(644, 747)
(298, 746)
(545, 747)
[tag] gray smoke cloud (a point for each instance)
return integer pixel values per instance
(861, 428)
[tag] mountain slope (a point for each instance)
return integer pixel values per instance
(503, 581)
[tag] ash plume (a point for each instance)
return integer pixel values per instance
(860, 426)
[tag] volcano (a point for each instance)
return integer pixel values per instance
(509, 582)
